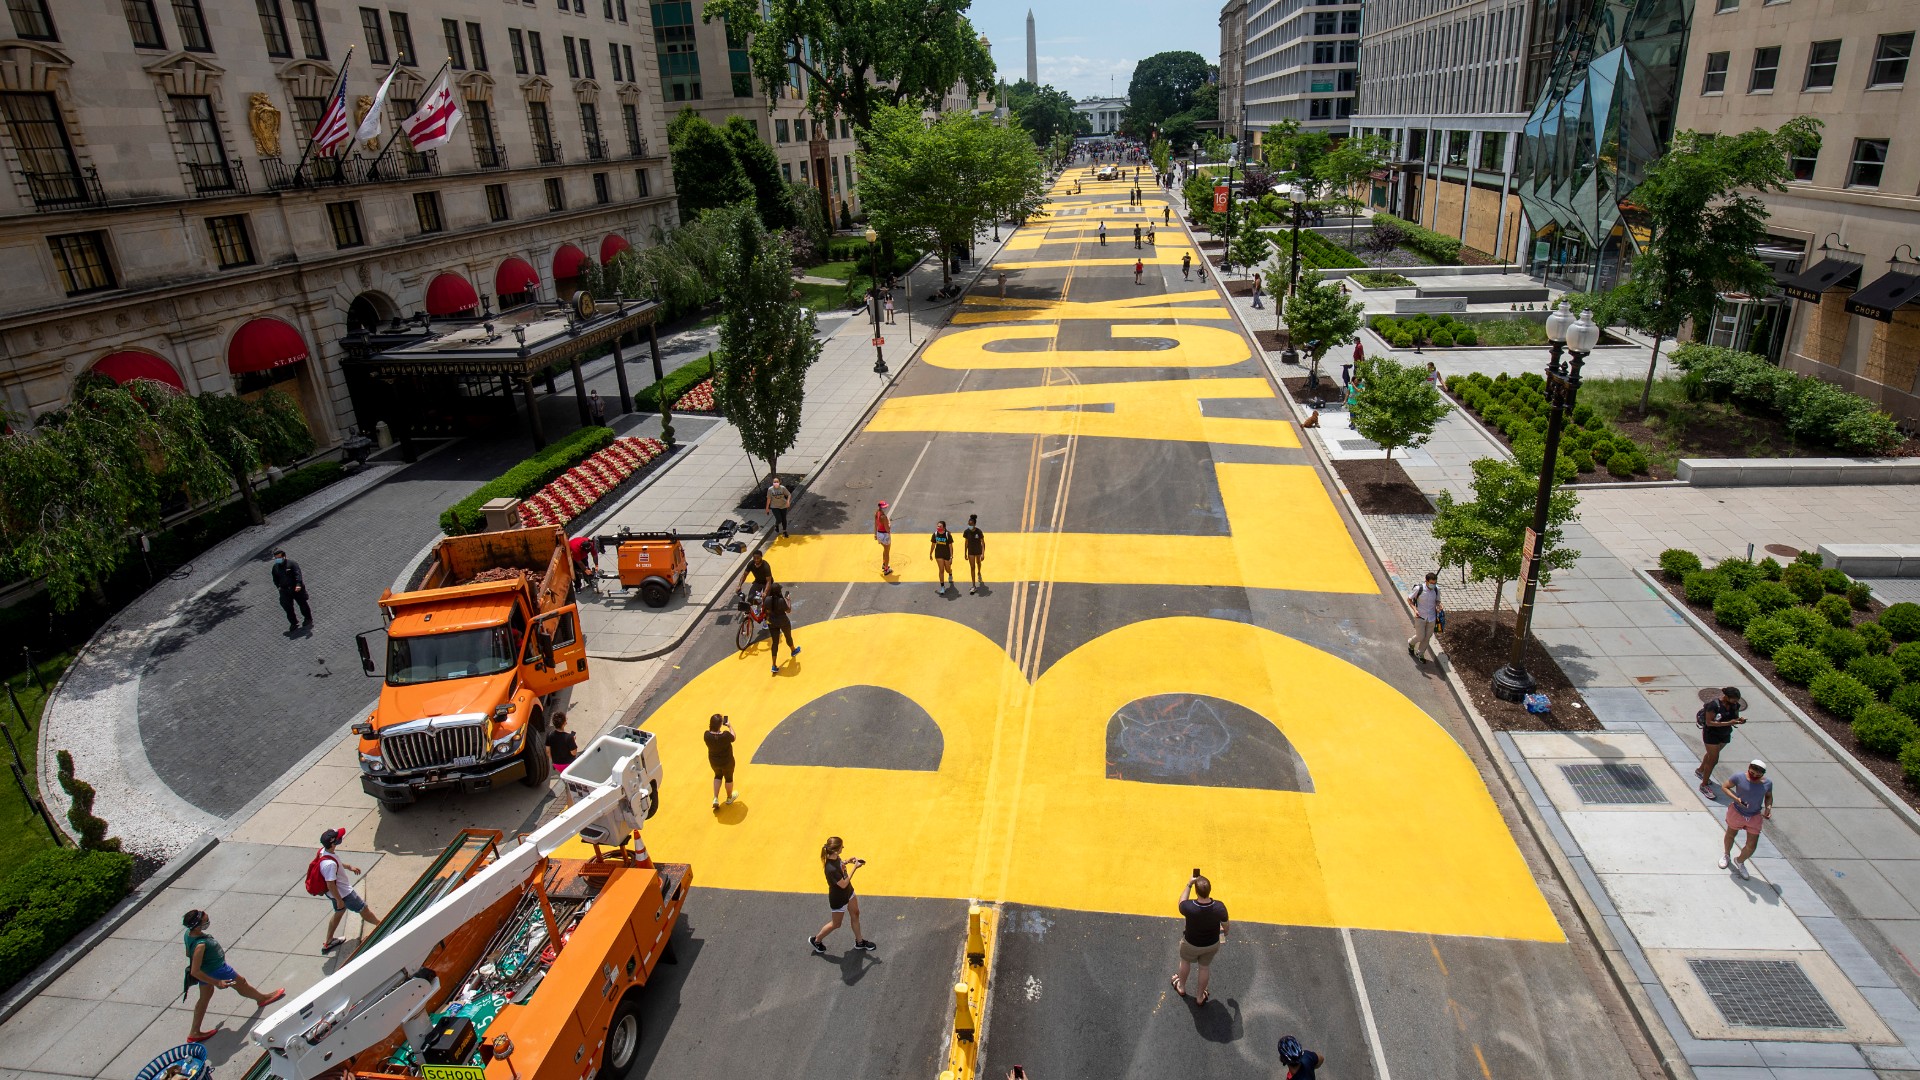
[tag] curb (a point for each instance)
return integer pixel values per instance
(70, 954)
(1625, 982)
(1819, 734)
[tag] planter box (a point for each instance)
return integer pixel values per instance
(1797, 472)
(1490, 294)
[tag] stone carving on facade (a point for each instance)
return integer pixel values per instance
(366, 276)
(587, 90)
(536, 88)
(363, 105)
(264, 120)
(34, 66)
(475, 86)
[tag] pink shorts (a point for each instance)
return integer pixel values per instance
(1737, 820)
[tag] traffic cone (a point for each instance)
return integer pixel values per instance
(640, 856)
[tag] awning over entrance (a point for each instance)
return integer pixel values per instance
(124, 367)
(613, 245)
(567, 262)
(264, 344)
(450, 294)
(515, 276)
(1825, 274)
(1887, 292)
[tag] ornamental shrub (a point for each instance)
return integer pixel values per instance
(1805, 582)
(1902, 620)
(1799, 664)
(1703, 587)
(1878, 673)
(1840, 694)
(1835, 610)
(1466, 337)
(1620, 464)
(1807, 625)
(1908, 657)
(525, 478)
(1594, 423)
(1582, 413)
(1768, 635)
(1860, 596)
(1739, 572)
(1883, 729)
(1907, 699)
(50, 898)
(1582, 460)
(1839, 645)
(1679, 562)
(1874, 638)
(1442, 339)
(1836, 580)
(1734, 610)
(1770, 568)
(1770, 596)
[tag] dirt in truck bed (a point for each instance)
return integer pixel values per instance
(500, 573)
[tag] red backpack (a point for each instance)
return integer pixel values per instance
(317, 882)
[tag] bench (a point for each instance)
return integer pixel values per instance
(1873, 560)
(1488, 294)
(1409, 305)
(1797, 472)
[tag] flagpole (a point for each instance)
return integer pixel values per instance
(444, 67)
(340, 90)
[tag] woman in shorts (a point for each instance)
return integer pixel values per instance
(840, 898)
(207, 965)
(883, 535)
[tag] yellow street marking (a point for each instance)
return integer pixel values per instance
(1191, 347)
(1196, 305)
(1168, 410)
(1150, 256)
(1285, 534)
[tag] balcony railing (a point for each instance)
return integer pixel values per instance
(636, 146)
(219, 177)
(417, 162)
(490, 157)
(547, 151)
(66, 190)
(596, 148)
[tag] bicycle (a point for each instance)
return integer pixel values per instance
(753, 613)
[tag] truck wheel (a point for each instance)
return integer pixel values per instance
(539, 760)
(655, 593)
(623, 1041)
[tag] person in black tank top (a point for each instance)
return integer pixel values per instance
(841, 900)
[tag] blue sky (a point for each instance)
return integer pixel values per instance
(1083, 42)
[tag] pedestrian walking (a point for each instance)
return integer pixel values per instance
(1103, 234)
(975, 545)
(597, 408)
(1166, 216)
(1359, 350)
(1716, 720)
(841, 901)
(720, 755)
(562, 749)
(779, 501)
(1433, 375)
(889, 304)
(1136, 235)
(1201, 938)
(293, 590)
(1139, 268)
(1427, 611)
(1749, 805)
(208, 968)
(1301, 1062)
(883, 535)
(941, 552)
(1150, 234)
(1186, 266)
(779, 622)
(338, 888)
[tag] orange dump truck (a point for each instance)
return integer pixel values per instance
(510, 962)
(478, 662)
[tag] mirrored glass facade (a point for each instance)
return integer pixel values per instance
(1605, 114)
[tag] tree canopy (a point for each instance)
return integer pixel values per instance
(706, 173)
(767, 343)
(1394, 406)
(1485, 535)
(1300, 154)
(1045, 112)
(934, 185)
(249, 433)
(859, 57)
(1163, 85)
(1319, 315)
(761, 169)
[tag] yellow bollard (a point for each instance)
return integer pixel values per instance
(976, 941)
(964, 1023)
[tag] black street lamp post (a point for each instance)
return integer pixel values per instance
(1297, 197)
(1577, 337)
(873, 256)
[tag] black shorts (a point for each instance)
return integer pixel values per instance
(722, 770)
(1716, 736)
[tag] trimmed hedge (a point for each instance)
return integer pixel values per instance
(52, 897)
(1441, 248)
(678, 382)
(1883, 729)
(1517, 408)
(1902, 620)
(1877, 673)
(1679, 562)
(1812, 408)
(1800, 665)
(1840, 694)
(525, 478)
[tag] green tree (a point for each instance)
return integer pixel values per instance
(1350, 165)
(1485, 535)
(858, 58)
(1319, 316)
(1299, 154)
(706, 174)
(683, 266)
(1162, 85)
(766, 344)
(1045, 112)
(250, 434)
(934, 185)
(91, 827)
(80, 481)
(1250, 246)
(1161, 153)
(762, 171)
(1394, 406)
(1700, 205)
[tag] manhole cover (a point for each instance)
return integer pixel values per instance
(1764, 994)
(1351, 445)
(1785, 551)
(1613, 784)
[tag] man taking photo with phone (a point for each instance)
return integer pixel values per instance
(1201, 938)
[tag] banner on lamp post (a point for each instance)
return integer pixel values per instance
(1220, 198)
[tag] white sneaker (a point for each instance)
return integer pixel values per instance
(1723, 860)
(1740, 867)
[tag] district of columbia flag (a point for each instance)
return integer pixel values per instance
(334, 127)
(432, 124)
(370, 124)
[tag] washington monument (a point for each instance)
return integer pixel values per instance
(1033, 52)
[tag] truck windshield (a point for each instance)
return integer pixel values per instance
(459, 655)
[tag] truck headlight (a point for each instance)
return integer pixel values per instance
(506, 744)
(372, 763)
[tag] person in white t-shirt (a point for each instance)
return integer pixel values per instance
(1425, 600)
(340, 889)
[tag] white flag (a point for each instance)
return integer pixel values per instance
(370, 124)
(432, 124)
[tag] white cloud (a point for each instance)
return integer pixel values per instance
(1087, 76)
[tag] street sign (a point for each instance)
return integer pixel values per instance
(879, 341)
(1528, 548)
(1219, 198)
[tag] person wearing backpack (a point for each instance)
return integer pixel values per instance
(1427, 611)
(325, 879)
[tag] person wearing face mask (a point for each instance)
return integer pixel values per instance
(293, 590)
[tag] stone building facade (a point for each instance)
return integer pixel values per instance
(1300, 61)
(162, 217)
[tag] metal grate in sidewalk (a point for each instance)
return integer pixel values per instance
(1764, 993)
(1613, 784)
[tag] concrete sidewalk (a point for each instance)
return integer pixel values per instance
(1806, 967)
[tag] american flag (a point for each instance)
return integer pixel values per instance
(334, 127)
(432, 124)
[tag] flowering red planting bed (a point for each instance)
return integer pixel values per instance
(577, 489)
(697, 400)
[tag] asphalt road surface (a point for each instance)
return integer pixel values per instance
(1181, 658)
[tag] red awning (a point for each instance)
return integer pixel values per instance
(567, 261)
(451, 294)
(123, 367)
(613, 245)
(263, 344)
(515, 276)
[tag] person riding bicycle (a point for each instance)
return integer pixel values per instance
(761, 573)
(586, 558)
